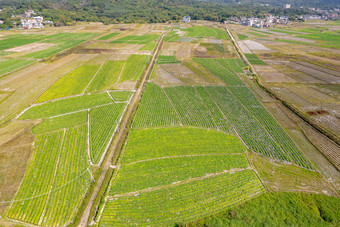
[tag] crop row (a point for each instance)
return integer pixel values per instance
(254, 60)
(155, 109)
(135, 39)
(106, 77)
(221, 108)
(250, 102)
(73, 83)
(103, 121)
(134, 67)
(158, 172)
(182, 203)
(223, 70)
(9, 65)
(205, 32)
(55, 180)
(145, 144)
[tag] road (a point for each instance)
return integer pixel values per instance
(121, 134)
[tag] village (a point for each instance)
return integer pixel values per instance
(29, 20)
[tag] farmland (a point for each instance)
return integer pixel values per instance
(160, 125)
(169, 176)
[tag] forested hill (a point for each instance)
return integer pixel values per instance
(280, 3)
(66, 12)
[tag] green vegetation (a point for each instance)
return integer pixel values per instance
(171, 170)
(330, 40)
(205, 32)
(214, 47)
(259, 30)
(63, 41)
(107, 76)
(73, 83)
(134, 67)
(109, 36)
(142, 175)
(254, 60)
(64, 106)
(172, 38)
(56, 179)
(8, 65)
(166, 59)
(146, 144)
(223, 108)
(182, 202)
(242, 37)
(14, 42)
(57, 123)
(121, 96)
(135, 39)
(103, 122)
(150, 46)
(224, 71)
(257, 34)
(162, 113)
(283, 31)
(280, 209)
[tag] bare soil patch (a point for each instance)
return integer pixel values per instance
(126, 85)
(177, 74)
(252, 45)
(244, 48)
(14, 156)
(32, 47)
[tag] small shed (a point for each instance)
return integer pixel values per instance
(186, 19)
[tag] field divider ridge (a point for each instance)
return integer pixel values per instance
(174, 184)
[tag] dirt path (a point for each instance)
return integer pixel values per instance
(120, 135)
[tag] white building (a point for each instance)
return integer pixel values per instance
(286, 6)
(34, 22)
(186, 19)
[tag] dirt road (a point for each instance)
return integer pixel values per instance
(121, 134)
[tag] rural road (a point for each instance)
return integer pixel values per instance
(121, 134)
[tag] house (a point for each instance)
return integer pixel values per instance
(286, 6)
(186, 19)
(1, 22)
(33, 22)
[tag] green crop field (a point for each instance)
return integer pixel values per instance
(150, 46)
(107, 76)
(257, 34)
(166, 142)
(134, 67)
(64, 106)
(64, 121)
(135, 39)
(205, 32)
(225, 71)
(14, 42)
(184, 202)
(73, 83)
(56, 179)
(103, 122)
(184, 163)
(242, 37)
(121, 96)
(63, 41)
(254, 60)
(109, 36)
(223, 108)
(166, 59)
(8, 65)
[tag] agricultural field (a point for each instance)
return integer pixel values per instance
(168, 176)
(161, 125)
(307, 80)
(64, 104)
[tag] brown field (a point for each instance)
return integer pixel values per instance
(31, 47)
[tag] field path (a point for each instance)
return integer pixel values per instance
(121, 134)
